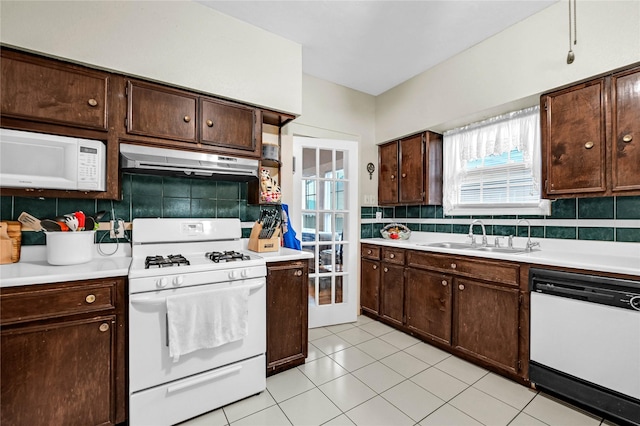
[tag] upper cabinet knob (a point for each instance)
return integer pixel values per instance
(444, 282)
(299, 273)
(393, 176)
(391, 256)
(92, 102)
(588, 145)
(209, 123)
(627, 138)
(404, 175)
(187, 119)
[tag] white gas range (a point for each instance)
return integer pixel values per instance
(192, 260)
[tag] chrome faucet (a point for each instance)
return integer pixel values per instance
(484, 233)
(530, 244)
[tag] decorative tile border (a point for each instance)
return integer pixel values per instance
(594, 219)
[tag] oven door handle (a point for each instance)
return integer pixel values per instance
(204, 378)
(154, 301)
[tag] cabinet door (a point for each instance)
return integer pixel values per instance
(433, 169)
(411, 170)
(388, 177)
(428, 304)
(161, 112)
(392, 293)
(370, 286)
(573, 140)
(59, 373)
(52, 92)
(486, 322)
(287, 310)
(626, 131)
(228, 126)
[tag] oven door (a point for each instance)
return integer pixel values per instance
(149, 361)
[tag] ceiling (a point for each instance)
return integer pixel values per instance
(372, 46)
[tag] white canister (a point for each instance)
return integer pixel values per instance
(69, 248)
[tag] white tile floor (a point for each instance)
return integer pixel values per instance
(368, 374)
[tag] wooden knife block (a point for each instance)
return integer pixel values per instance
(263, 245)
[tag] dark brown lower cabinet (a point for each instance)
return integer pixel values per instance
(428, 304)
(474, 308)
(287, 315)
(370, 288)
(487, 322)
(63, 364)
(392, 293)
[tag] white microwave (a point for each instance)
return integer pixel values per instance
(41, 161)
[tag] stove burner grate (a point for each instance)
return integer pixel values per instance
(226, 256)
(163, 262)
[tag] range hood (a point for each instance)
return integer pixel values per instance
(152, 160)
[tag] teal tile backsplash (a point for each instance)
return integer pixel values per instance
(595, 219)
(145, 196)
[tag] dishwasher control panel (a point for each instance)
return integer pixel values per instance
(614, 292)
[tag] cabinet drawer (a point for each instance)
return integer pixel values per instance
(492, 271)
(393, 255)
(370, 252)
(38, 302)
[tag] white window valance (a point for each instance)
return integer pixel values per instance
(482, 173)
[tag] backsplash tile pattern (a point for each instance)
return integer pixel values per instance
(571, 218)
(144, 196)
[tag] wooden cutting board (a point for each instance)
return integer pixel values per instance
(6, 244)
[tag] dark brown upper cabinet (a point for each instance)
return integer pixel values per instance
(166, 116)
(161, 112)
(230, 126)
(591, 137)
(625, 148)
(47, 91)
(411, 170)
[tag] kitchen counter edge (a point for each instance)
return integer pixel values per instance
(612, 257)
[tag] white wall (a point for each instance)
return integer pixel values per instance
(511, 69)
(334, 112)
(182, 43)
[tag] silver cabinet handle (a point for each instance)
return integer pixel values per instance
(454, 266)
(392, 256)
(461, 287)
(386, 269)
(444, 282)
(375, 267)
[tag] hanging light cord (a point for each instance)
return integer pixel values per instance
(575, 21)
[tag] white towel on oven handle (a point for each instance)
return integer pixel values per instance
(204, 320)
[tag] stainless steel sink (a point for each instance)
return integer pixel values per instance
(450, 245)
(512, 250)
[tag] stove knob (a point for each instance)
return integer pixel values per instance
(244, 273)
(162, 282)
(232, 275)
(177, 281)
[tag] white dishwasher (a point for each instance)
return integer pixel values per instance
(585, 341)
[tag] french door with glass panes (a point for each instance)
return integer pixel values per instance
(325, 211)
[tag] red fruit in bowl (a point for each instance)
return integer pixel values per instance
(394, 236)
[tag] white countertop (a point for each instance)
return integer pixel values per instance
(598, 256)
(34, 269)
(285, 254)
